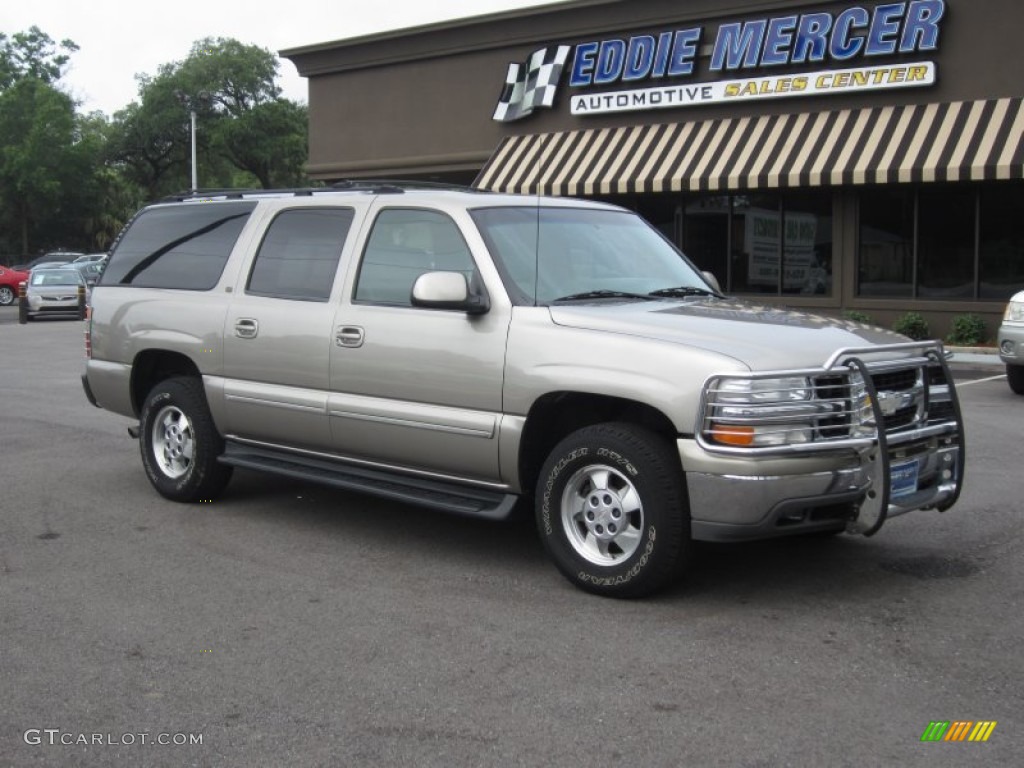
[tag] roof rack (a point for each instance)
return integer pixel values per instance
(379, 186)
(401, 185)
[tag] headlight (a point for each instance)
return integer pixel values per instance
(762, 390)
(1014, 312)
(759, 413)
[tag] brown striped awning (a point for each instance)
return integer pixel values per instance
(955, 141)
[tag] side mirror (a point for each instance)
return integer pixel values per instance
(712, 280)
(448, 290)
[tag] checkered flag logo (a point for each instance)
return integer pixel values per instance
(531, 85)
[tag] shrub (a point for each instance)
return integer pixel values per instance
(968, 330)
(912, 324)
(857, 316)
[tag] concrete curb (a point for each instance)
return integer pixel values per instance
(975, 356)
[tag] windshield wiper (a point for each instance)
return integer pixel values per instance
(604, 294)
(684, 290)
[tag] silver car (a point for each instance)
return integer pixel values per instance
(54, 292)
(1011, 342)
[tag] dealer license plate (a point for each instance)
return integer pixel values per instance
(903, 479)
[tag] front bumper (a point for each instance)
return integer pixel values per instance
(761, 501)
(1011, 344)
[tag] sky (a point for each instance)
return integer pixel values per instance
(118, 39)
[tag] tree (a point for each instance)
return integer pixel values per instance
(32, 54)
(36, 122)
(244, 127)
(269, 141)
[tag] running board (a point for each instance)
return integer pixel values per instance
(435, 494)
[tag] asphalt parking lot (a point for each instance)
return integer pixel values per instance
(288, 624)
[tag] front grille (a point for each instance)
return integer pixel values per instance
(836, 407)
(896, 381)
(835, 389)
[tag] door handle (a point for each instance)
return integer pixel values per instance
(246, 328)
(349, 336)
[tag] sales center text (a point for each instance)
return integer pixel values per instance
(886, 30)
(682, 95)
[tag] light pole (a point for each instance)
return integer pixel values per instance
(190, 103)
(192, 133)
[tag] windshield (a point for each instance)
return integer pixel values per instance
(56, 277)
(550, 254)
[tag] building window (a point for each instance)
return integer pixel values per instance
(954, 242)
(1000, 241)
(885, 268)
(705, 234)
(763, 242)
(945, 242)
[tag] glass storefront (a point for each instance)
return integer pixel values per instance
(943, 242)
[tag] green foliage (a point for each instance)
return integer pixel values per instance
(968, 330)
(912, 324)
(269, 142)
(40, 164)
(72, 181)
(32, 54)
(857, 316)
(242, 124)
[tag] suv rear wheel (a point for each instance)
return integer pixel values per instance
(179, 442)
(612, 510)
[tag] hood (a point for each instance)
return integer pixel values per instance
(760, 337)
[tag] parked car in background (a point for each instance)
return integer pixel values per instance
(9, 281)
(90, 258)
(90, 270)
(53, 292)
(1011, 342)
(51, 259)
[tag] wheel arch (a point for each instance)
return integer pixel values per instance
(151, 366)
(555, 415)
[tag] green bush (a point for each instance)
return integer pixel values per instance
(912, 324)
(857, 316)
(968, 331)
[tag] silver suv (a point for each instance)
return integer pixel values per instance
(462, 350)
(1011, 342)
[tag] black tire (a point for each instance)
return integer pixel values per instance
(7, 296)
(180, 444)
(632, 536)
(1015, 377)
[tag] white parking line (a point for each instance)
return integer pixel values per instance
(980, 381)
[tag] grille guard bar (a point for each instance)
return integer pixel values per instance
(877, 505)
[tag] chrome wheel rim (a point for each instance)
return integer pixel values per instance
(173, 441)
(602, 515)
(6, 295)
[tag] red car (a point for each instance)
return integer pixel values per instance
(9, 279)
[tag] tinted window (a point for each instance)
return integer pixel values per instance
(178, 246)
(299, 254)
(403, 245)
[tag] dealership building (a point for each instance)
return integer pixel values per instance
(833, 156)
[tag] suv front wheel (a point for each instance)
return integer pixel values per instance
(612, 510)
(1015, 376)
(180, 443)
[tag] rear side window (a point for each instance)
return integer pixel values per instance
(178, 246)
(299, 254)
